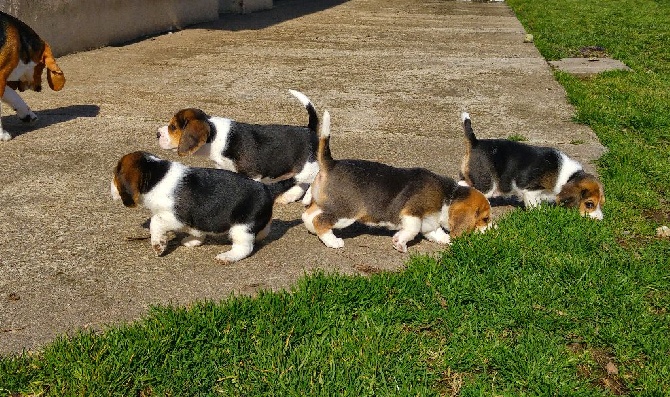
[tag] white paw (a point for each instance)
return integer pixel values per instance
(159, 246)
(230, 256)
(291, 195)
(28, 118)
(4, 136)
(331, 241)
(438, 236)
(192, 241)
(398, 244)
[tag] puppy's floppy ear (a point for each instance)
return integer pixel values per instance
(459, 221)
(55, 76)
(194, 134)
(127, 182)
(473, 212)
(569, 196)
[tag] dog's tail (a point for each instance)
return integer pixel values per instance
(278, 188)
(467, 127)
(323, 155)
(311, 111)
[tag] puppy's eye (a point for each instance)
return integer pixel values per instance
(589, 205)
(172, 127)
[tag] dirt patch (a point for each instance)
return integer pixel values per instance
(600, 367)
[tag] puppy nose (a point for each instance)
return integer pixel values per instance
(158, 134)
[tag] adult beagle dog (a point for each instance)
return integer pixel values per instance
(199, 201)
(410, 200)
(500, 167)
(264, 152)
(23, 57)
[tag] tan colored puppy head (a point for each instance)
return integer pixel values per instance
(473, 212)
(187, 131)
(585, 193)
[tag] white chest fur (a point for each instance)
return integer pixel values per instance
(220, 142)
(162, 197)
(22, 72)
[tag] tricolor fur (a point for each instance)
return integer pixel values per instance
(23, 57)
(500, 167)
(199, 201)
(266, 153)
(410, 200)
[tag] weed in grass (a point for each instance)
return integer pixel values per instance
(517, 138)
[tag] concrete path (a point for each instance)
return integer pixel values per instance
(394, 74)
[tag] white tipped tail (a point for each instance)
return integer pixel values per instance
(301, 97)
(325, 125)
(311, 111)
(465, 116)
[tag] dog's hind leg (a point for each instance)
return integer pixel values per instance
(322, 225)
(243, 244)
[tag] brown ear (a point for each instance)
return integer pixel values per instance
(569, 196)
(461, 220)
(127, 183)
(194, 135)
(55, 76)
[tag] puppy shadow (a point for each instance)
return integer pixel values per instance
(359, 229)
(45, 118)
(278, 230)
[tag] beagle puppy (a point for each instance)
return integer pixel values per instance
(266, 153)
(499, 167)
(410, 200)
(199, 201)
(23, 57)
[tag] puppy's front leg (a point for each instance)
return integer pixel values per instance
(438, 236)
(411, 226)
(532, 198)
(22, 109)
(158, 228)
(195, 239)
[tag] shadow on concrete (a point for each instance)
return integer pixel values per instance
(278, 230)
(282, 11)
(48, 117)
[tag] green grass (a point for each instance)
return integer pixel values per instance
(517, 138)
(543, 305)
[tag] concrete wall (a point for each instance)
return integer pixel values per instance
(77, 25)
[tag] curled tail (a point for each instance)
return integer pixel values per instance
(323, 153)
(311, 111)
(467, 127)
